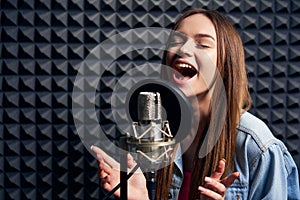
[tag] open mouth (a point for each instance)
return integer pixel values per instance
(185, 71)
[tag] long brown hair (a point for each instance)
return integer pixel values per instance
(231, 66)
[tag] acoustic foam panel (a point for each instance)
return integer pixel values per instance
(43, 43)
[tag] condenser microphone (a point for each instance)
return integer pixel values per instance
(151, 137)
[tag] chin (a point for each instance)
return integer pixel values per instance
(190, 92)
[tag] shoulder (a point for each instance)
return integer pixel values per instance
(255, 139)
(254, 129)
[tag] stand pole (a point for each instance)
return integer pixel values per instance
(123, 177)
(123, 173)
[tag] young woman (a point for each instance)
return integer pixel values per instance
(204, 47)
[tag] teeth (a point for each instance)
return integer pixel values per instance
(183, 65)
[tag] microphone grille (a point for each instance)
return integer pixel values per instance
(149, 106)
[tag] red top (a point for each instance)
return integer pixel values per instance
(185, 188)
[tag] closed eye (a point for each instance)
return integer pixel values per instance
(201, 46)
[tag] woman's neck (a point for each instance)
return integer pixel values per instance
(199, 129)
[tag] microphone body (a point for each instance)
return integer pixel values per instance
(151, 137)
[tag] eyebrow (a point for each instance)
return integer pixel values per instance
(201, 35)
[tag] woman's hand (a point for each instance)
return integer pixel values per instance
(214, 187)
(109, 173)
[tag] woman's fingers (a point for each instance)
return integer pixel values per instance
(230, 179)
(217, 174)
(215, 185)
(209, 193)
(101, 155)
(106, 185)
(105, 167)
(213, 189)
(102, 174)
(130, 161)
(216, 189)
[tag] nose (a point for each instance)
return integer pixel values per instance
(186, 50)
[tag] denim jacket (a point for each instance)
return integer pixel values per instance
(267, 170)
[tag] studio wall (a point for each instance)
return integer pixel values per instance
(43, 44)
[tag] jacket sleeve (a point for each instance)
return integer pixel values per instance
(274, 175)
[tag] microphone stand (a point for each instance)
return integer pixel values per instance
(123, 170)
(151, 185)
(123, 177)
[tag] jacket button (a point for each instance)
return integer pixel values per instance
(170, 195)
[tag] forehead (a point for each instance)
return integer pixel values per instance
(197, 24)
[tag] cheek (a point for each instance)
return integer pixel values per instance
(207, 66)
(206, 60)
(168, 70)
(213, 58)
(171, 54)
(169, 59)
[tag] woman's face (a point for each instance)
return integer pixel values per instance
(192, 54)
